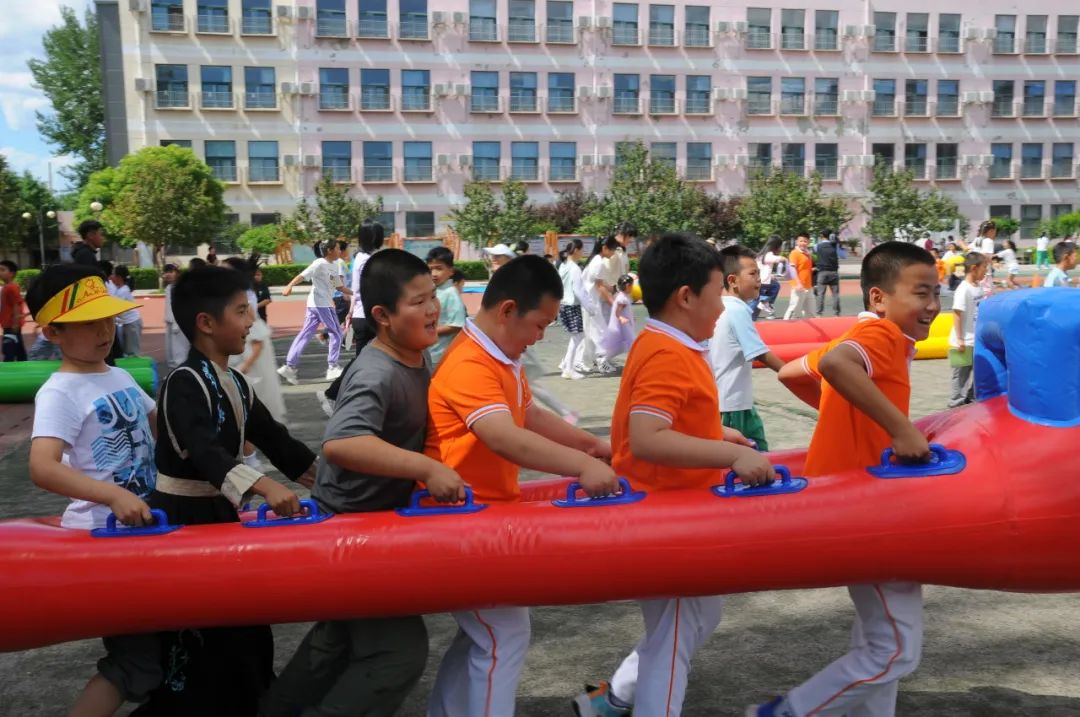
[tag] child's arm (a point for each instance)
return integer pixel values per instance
(256, 350)
(771, 360)
(295, 280)
(623, 318)
(554, 428)
(795, 378)
(958, 321)
(454, 313)
(845, 370)
(652, 439)
(372, 455)
(48, 472)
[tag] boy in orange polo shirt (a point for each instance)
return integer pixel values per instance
(667, 434)
(802, 285)
(861, 386)
(483, 424)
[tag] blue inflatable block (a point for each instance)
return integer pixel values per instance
(1027, 347)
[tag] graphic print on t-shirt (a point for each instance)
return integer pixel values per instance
(125, 447)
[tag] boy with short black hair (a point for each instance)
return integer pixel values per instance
(1064, 261)
(11, 313)
(440, 261)
(667, 434)
(861, 386)
(207, 412)
(965, 307)
(483, 423)
(93, 442)
(373, 459)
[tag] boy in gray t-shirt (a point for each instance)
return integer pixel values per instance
(372, 460)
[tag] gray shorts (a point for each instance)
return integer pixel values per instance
(132, 663)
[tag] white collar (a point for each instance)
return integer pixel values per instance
(473, 332)
(677, 334)
(868, 315)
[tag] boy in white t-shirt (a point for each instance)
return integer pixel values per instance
(736, 344)
(129, 325)
(93, 442)
(965, 308)
(325, 279)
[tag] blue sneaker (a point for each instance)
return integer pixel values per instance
(772, 708)
(594, 702)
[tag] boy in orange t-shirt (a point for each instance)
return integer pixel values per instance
(802, 285)
(667, 434)
(483, 424)
(861, 386)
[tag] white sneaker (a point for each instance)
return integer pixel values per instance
(288, 373)
(326, 403)
(573, 375)
(333, 372)
(582, 368)
(603, 366)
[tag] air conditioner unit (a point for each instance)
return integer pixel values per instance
(850, 96)
(742, 160)
(584, 22)
(989, 33)
(852, 31)
(307, 88)
(584, 92)
(866, 160)
(969, 97)
(137, 5)
(720, 93)
(973, 33)
(606, 160)
(144, 85)
(443, 89)
(291, 160)
(849, 160)
(739, 93)
(740, 26)
(986, 159)
(723, 26)
(443, 160)
(868, 30)
(603, 23)
(312, 160)
(304, 12)
(723, 160)
(440, 17)
(986, 96)
(586, 160)
(289, 88)
(603, 92)
(462, 90)
(460, 18)
(867, 95)
(283, 11)
(465, 160)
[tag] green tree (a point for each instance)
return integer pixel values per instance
(70, 76)
(261, 240)
(516, 220)
(476, 220)
(159, 196)
(299, 226)
(12, 228)
(786, 204)
(35, 197)
(339, 214)
(898, 210)
(1006, 226)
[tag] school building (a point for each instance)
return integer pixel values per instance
(410, 99)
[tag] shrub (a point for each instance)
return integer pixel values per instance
(144, 278)
(473, 270)
(280, 274)
(24, 276)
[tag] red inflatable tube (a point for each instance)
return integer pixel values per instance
(999, 523)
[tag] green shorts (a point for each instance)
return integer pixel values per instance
(747, 422)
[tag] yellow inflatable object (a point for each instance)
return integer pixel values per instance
(635, 292)
(936, 345)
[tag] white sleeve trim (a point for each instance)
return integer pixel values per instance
(238, 482)
(652, 411)
(862, 352)
(485, 411)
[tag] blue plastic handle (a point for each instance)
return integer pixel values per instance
(625, 496)
(785, 484)
(161, 526)
(310, 517)
(415, 510)
(943, 462)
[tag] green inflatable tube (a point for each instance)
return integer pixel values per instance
(20, 380)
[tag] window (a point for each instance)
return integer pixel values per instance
(793, 158)
(1003, 99)
(884, 98)
(884, 32)
(263, 162)
(374, 89)
(167, 15)
(482, 21)
(522, 21)
(417, 161)
(525, 161)
(663, 153)
(485, 92)
(662, 25)
(948, 98)
(212, 16)
(826, 96)
(1035, 35)
(699, 161)
(793, 29)
(1030, 218)
(419, 224)
(1001, 167)
(560, 92)
(216, 86)
(1066, 34)
(627, 94)
(415, 90)
(758, 95)
(373, 19)
(698, 94)
(696, 31)
(760, 156)
(758, 28)
(1034, 98)
(946, 162)
(378, 161)
(330, 18)
(624, 29)
(915, 102)
(1005, 37)
(413, 18)
(256, 18)
(1056, 210)
(172, 86)
(337, 161)
(523, 92)
(917, 32)
(333, 88)
(792, 96)
(389, 221)
(1062, 160)
(915, 159)
(1064, 98)
(563, 159)
(1003, 211)
(560, 21)
(259, 88)
(826, 30)
(826, 160)
(185, 143)
(221, 158)
(948, 32)
(259, 219)
(884, 154)
(1031, 160)
(661, 94)
(486, 159)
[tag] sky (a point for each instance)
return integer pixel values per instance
(22, 25)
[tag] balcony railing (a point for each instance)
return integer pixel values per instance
(884, 43)
(264, 173)
(167, 22)
(484, 103)
(413, 29)
(1065, 45)
(257, 25)
(759, 40)
(560, 103)
(521, 31)
(375, 98)
(172, 98)
(418, 171)
(1001, 169)
(224, 170)
(625, 35)
(826, 40)
(525, 171)
(697, 36)
(916, 107)
(946, 168)
(337, 172)
(662, 105)
(1003, 107)
(331, 27)
(917, 167)
(699, 105)
(662, 36)
(1062, 168)
(826, 105)
(793, 166)
(217, 99)
(1065, 107)
(884, 107)
(916, 43)
(948, 107)
(793, 104)
(793, 39)
(566, 172)
(948, 43)
(559, 32)
(373, 27)
(334, 99)
(1004, 44)
(627, 105)
(698, 170)
(759, 105)
(213, 23)
(523, 102)
(1034, 107)
(1031, 169)
(486, 172)
(260, 100)
(1036, 45)
(827, 170)
(483, 30)
(416, 99)
(378, 173)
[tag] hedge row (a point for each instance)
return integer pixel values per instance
(140, 278)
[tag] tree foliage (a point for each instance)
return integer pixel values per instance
(1006, 226)
(720, 217)
(337, 213)
(70, 76)
(261, 240)
(786, 204)
(900, 211)
(565, 214)
(11, 208)
(515, 220)
(1061, 226)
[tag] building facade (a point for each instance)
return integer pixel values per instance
(410, 99)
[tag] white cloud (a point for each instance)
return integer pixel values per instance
(20, 160)
(26, 20)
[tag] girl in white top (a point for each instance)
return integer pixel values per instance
(570, 308)
(371, 240)
(1012, 266)
(771, 266)
(620, 331)
(596, 314)
(324, 278)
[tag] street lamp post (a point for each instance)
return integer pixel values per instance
(40, 216)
